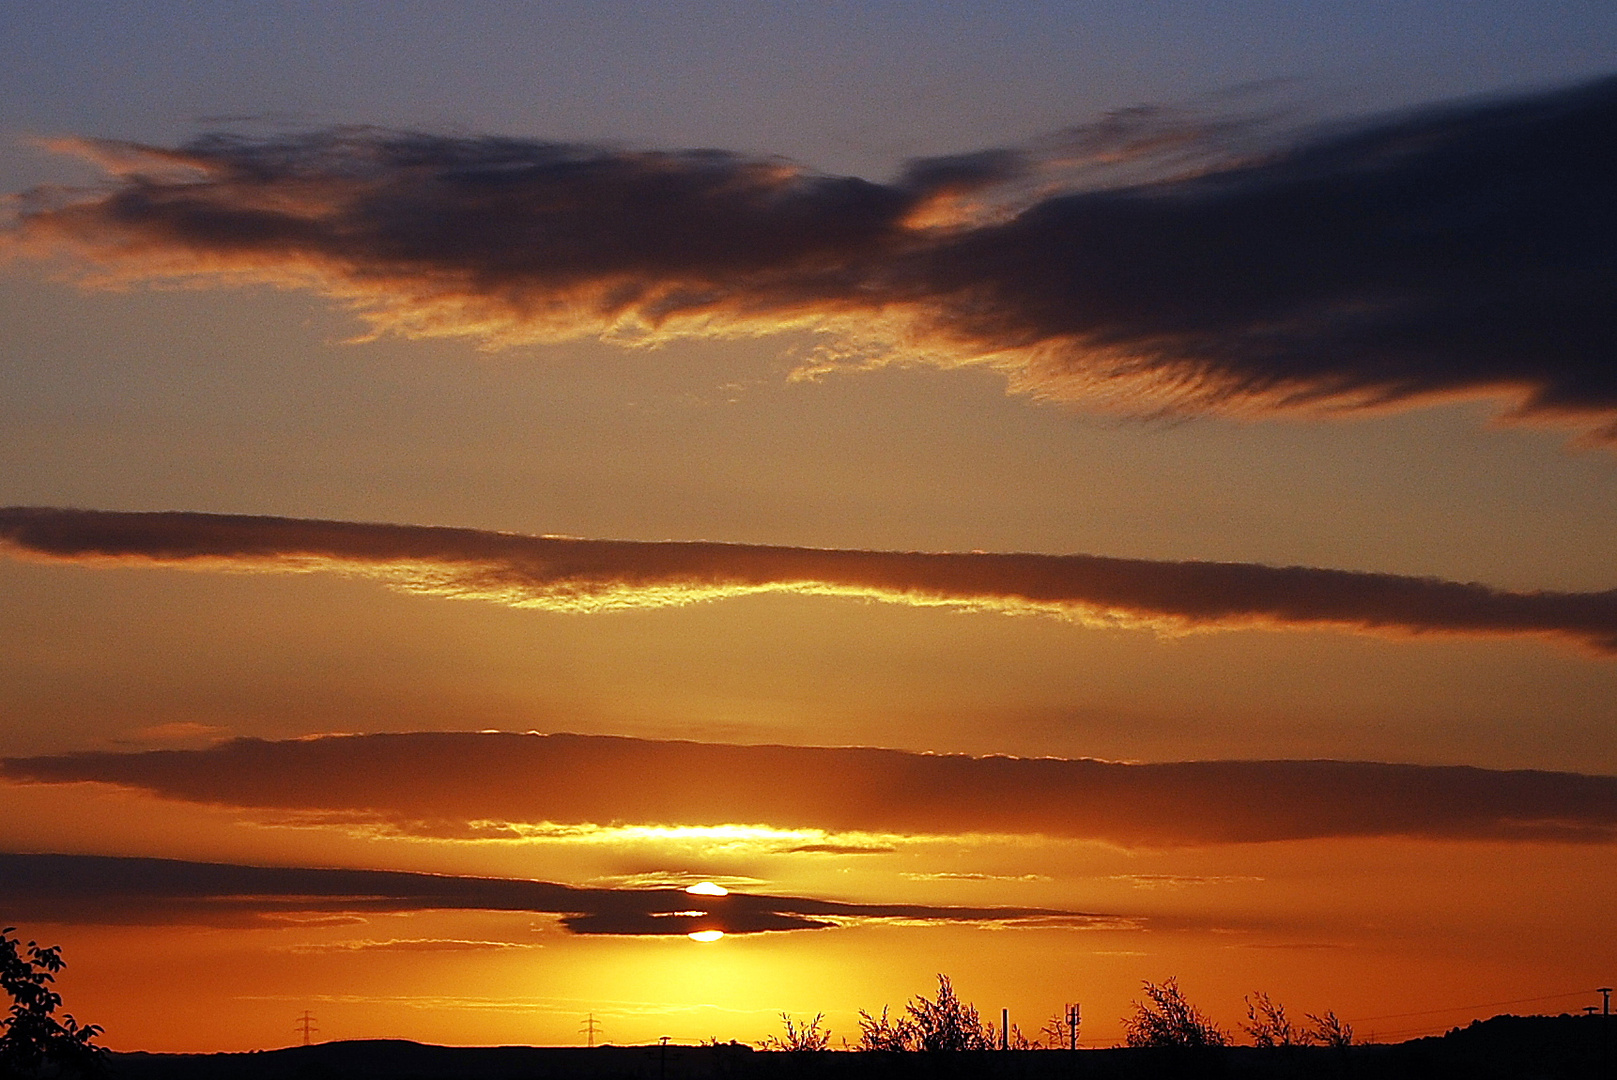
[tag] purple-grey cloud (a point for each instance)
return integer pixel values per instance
(1467, 249)
(581, 575)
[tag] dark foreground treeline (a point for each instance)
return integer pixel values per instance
(1504, 1048)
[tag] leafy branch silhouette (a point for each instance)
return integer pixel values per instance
(34, 1041)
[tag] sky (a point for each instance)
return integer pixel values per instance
(1058, 495)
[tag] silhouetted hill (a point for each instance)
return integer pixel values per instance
(1504, 1048)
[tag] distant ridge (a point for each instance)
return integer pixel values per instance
(1503, 1048)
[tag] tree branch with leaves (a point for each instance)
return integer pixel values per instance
(34, 1041)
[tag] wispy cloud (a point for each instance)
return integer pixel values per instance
(405, 945)
(855, 795)
(122, 890)
(565, 574)
(1182, 881)
(839, 849)
(1461, 250)
(946, 876)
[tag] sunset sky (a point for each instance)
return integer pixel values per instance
(1058, 494)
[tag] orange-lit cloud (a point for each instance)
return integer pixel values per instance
(467, 784)
(567, 574)
(106, 889)
(1462, 250)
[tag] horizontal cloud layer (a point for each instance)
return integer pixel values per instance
(470, 784)
(1468, 249)
(581, 575)
(117, 889)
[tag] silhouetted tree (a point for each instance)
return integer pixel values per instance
(1169, 1020)
(1330, 1030)
(1268, 1023)
(34, 1041)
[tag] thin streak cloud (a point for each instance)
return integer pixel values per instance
(1462, 250)
(565, 574)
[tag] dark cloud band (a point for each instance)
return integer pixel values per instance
(449, 783)
(1463, 250)
(583, 575)
(117, 889)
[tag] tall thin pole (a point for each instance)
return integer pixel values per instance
(1605, 1035)
(1073, 1018)
(590, 1028)
(1004, 1029)
(305, 1024)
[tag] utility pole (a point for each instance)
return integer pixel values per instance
(1605, 1034)
(1073, 1019)
(305, 1024)
(590, 1028)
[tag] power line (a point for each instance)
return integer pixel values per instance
(1414, 1032)
(591, 1028)
(305, 1024)
(1463, 1008)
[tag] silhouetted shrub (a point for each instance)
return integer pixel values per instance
(800, 1040)
(1169, 1020)
(1268, 1024)
(947, 1023)
(1330, 1030)
(880, 1033)
(944, 1024)
(1059, 1032)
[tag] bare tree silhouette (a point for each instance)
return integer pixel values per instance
(1330, 1030)
(34, 1040)
(800, 1039)
(881, 1033)
(1061, 1030)
(1167, 1019)
(1268, 1024)
(1015, 1040)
